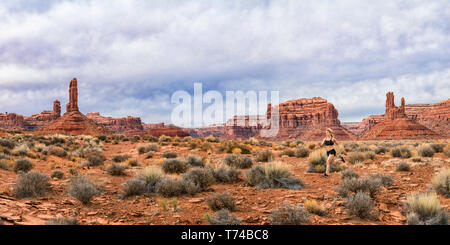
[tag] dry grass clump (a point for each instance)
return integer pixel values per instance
(425, 151)
(232, 145)
(403, 167)
(4, 164)
(425, 209)
(21, 150)
(289, 215)
(23, 165)
(317, 162)
(95, 159)
(265, 156)
(370, 185)
(31, 184)
(226, 174)
(201, 177)
(273, 175)
(170, 187)
(360, 205)
(133, 187)
(83, 189)
(385, 180)
(313, 207)
(438, 147)
(301, 152)
(57, 151)
(195, 161)
(169, 154)
(349, 173)
(356, 157)
(57, 174)
(176, 165)
(220, 201)
(147, 148)
(401, 152)
(63, 221)
(288, 152)
(151, 175)
(116, 169)
(381, 150)
(164, 139)
(223, 217)
(238, 161)
(121, 158)
(441, 182)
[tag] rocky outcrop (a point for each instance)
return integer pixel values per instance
(435, 116)
(129, 126)
(397, 125)
(12, 121)
(308, 119)
(215, 130)
(73, 121)
(163, 129)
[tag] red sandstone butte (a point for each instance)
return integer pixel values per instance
(307, 119)
(163, 129)
(129, 126)
(73, 121)
(397, 125)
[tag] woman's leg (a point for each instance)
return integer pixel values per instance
(330, 160)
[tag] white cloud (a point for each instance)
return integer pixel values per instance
(125, 53)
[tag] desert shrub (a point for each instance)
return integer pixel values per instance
(4, 156)
(385, 180)
(169, 154)
(356, 157)
(353, 185)
(360, 204)
(381, 150)
(164, 139)
(62, 221)
(4, 164)
(288, 152)
(116, 169)
(83, 189)
(121, 158)
(238, 161)
(223, 217)
(23, 165)
(151, 175)
(425, 209)
(57, 174)
(149, 154)
(170, 187)
(441, 182)
(349, 173)
(212, 139)
(151, 138)
(195, 161)
(265, 156)
(301, 152)
(8, 143)
(317, 162)
(369, 155)
(226, 174)
(133, 187)
(438, 147)
(132, 162)
(425, 151)
(95, 159)
(21, 150)
(147, 148)
(220, 201)
(230, 146)
(175, 165)
(101, 137)
(289, 215)
(313, 207)
(202, 177)
(402, 152)
(311, 145)
(57, 151)
(272, 175)
(402, 167)
(190, 187)
(31, 184)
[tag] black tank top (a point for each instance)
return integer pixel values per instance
(329, 142)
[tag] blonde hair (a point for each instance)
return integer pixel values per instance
(331, 132)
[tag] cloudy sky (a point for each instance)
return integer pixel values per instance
(131, 56)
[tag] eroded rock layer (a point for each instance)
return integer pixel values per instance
(126, 125)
